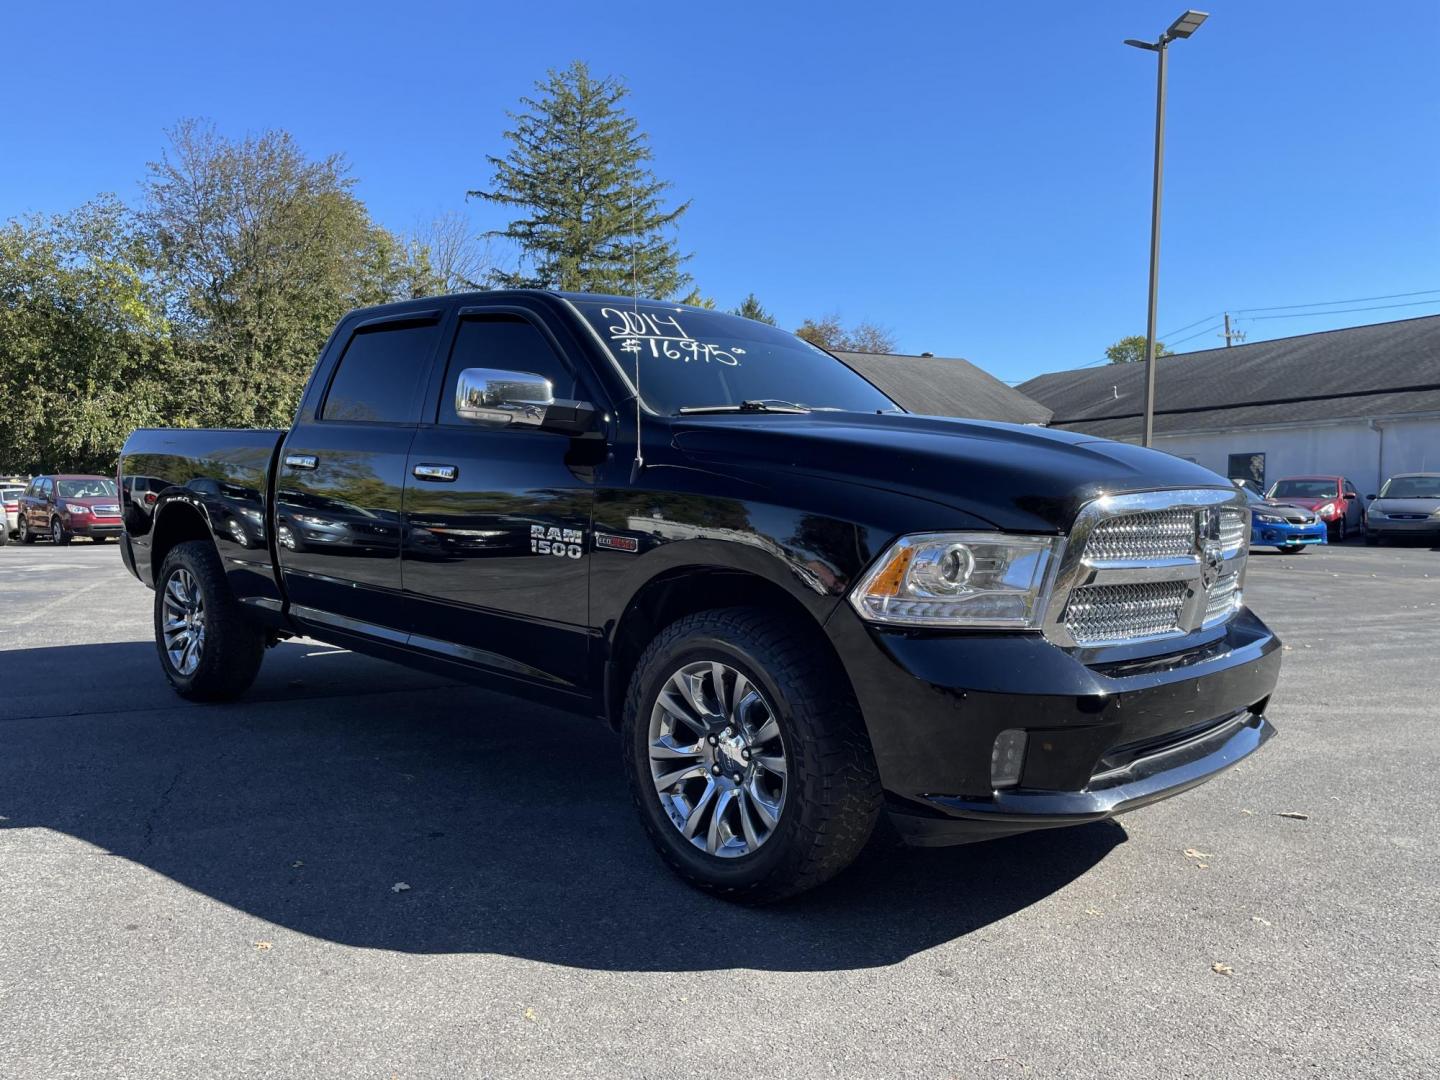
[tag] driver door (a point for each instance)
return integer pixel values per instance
(497, 519)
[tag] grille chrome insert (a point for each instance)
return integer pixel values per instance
(1150, 565)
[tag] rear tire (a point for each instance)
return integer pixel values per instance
(827, 786)
(221, 655)
(25, 536)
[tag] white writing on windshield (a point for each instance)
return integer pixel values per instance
(663, 336)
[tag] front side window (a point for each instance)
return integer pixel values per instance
(382, 374)
(694, 358)
(1304, 489)
(503, 343)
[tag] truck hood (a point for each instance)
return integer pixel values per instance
(1017, 477)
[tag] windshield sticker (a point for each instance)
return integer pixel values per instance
(636, 332)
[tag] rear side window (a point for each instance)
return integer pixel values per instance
(382, 374)
(505, 343)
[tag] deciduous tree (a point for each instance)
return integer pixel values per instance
(830, 333)
(1131, 350)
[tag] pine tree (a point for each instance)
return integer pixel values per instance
(595, 215)
(751, 309)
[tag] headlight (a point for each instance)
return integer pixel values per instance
(1372, 513)
(76, 508)
(960, 579)
(311, 519)
(1269, 518)
(252, 515)
(1326, 510)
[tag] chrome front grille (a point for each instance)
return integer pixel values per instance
(1159, 535)
(1124, 612)
(1151, 565)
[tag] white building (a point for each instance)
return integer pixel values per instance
(1363, 402)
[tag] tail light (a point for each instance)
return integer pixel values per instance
(150, 497)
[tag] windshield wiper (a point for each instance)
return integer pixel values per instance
(767, 405)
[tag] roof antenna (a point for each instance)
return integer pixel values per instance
(639, 463)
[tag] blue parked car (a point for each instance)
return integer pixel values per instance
(1277, 524)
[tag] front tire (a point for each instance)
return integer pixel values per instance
(747, 757)
(208, 650)
(58, 535)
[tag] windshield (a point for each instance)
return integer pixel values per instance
(1411, 487)
(85, 489)
(1304, 489)
(695, 358)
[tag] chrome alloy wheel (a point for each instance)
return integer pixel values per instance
(717, 759)
(184, 622)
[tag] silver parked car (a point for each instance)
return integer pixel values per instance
(1408, 505)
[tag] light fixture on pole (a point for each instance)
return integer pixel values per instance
(1182, 27)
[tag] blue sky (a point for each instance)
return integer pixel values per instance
(975, 176)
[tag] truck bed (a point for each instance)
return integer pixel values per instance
(225, 474)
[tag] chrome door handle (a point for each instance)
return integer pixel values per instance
(442, 473)
(301, 461)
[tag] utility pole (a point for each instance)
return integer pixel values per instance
(1237, 335)
(1182, 27)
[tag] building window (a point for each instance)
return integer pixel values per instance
(1249, 468)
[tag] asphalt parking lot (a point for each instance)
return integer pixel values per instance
(215, 891)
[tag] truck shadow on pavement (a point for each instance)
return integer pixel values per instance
(339, 777)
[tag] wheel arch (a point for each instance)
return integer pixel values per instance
(176, 521)
(679, 591)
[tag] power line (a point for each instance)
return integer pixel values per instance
(1197, 322)
(1342, 311)
(1193, 336)
(1352, 300)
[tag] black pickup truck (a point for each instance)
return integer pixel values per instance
(801, 606)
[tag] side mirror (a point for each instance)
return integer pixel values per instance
(488, 396)
(502, 398)
(1349, 495)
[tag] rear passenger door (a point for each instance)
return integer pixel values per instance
(497, 519)
(341, 475)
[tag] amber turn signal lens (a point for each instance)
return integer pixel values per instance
(889, 580)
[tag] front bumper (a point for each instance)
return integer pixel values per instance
(1105, 733)
(1426, 526)
(1285, 534)
(96, 530)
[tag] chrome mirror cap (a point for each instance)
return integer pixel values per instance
(490, 396)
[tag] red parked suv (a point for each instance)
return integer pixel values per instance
(62, 507)
(1334, 498)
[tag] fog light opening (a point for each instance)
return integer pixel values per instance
(1007, 758)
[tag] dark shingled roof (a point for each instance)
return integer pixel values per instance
(1362, 371)
(938, 386)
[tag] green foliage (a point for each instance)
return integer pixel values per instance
(595, 218)
(750, 308)
(260, 251)
(1131, 350)
(85, 354)
(830, 334)
(207, 307)
(695, 299)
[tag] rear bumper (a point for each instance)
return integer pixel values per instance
(1104, 735)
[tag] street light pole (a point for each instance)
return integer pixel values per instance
(1182, 27)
